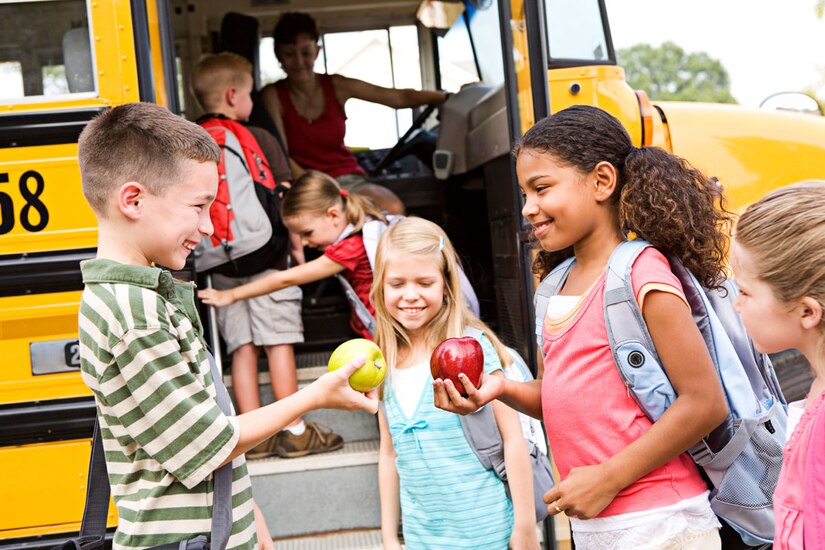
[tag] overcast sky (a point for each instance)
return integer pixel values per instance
(766, 46)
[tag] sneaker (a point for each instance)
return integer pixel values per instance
(264, 449)
(314, 440)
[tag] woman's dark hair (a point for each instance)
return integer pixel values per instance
(660, 197)
(293, 24)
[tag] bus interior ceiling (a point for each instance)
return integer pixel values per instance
(475, 205)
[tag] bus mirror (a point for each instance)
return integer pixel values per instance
(439, 14)
(792, 101)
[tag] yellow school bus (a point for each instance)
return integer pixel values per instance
(508, 62)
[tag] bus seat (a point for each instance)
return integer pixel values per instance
(77, 59)
(240, 34)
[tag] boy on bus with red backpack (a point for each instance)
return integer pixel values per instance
(250, 242)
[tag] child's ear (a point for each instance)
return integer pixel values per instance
(130, 199)
(811, 316)
(605, 179)
(229, 95)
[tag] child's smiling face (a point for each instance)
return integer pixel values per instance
(559, 201)
(173, 223)
(413, 290)
(317, 230)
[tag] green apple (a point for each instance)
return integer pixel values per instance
(371, 373)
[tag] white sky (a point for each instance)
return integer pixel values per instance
(766, 46)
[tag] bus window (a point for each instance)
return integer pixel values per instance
(11, 79)
(456, 62)
(54, 55)
(575, 31)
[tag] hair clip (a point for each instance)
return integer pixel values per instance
(343, 192)
(441, 242)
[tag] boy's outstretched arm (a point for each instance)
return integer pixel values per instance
(317, 269)
(524, 397)
(330, 391)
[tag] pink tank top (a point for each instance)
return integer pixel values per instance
(318, 145)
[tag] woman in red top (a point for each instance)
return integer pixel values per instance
(308, 109)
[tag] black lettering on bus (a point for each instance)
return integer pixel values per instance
(34, 210)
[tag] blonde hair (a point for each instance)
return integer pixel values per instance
(139, 142)
(414, 236)
(214, 73)
(784, 232)
(315, 193)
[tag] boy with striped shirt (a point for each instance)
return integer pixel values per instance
(150, 177)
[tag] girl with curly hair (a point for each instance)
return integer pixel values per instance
(626, 482)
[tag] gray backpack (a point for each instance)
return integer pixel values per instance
(742, 457)
(482, 434)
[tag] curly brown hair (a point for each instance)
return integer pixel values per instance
(661, 197)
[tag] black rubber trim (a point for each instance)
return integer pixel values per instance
(42, 272)
(167, 46)
(44, 128)
(47, 542)
(43, 421)
(143, 51)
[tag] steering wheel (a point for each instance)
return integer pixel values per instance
(393, 154)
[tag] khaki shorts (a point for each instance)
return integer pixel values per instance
(269, 320)
(351, 182)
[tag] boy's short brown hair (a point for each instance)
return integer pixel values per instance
(139, 142)
(214, 73)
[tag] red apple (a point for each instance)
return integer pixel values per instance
(455, 355)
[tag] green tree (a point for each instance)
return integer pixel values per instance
(668, 73)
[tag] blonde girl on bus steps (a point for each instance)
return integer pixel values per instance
(625, 482)
(321, 213)
(778, 259)
(447, 498)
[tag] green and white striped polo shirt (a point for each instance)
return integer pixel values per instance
(143, 356)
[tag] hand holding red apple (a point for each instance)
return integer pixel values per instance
(456, 356)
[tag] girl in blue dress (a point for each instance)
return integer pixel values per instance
(447, 498)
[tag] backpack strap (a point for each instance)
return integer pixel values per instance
(371, 233)
(548, 287)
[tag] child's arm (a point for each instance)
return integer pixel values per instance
(264, 537)
(699, 407)
(519, 477)
(296, 248)
(330, 391)
(524, 397)
(388, 487)
(317, 269)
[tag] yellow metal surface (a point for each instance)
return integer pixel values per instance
(751, 151)
(44, 186)
(44, 485)
(600, 85)
(37, 318)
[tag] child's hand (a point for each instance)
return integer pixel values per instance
(447, 397)
(217, 298)
(585, 492)
(334, 392)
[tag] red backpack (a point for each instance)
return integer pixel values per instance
(249, 235)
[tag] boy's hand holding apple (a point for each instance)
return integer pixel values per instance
(333, 390)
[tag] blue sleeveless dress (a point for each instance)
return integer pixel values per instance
(448, 499)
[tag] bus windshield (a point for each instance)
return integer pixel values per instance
(575, 31)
